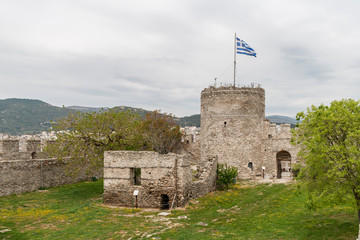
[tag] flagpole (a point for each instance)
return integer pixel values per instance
(234, 59)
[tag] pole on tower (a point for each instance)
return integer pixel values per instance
(234, 60)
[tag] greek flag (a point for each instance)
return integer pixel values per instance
(243, 48)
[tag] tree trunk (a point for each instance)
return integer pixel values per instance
(357, 198)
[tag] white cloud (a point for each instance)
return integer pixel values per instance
(161, 54)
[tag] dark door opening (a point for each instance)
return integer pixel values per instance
(165, 202)
(250, 165)
(283, 159)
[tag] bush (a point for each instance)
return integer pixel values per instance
(226, 175)
(295, 170)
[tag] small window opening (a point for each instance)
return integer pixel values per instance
(187, 141)
(270, 136)
(135, 176)
(250, 165)
(224, 124)
(165, 202)
(33, 155)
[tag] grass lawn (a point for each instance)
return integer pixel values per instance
(247, 211)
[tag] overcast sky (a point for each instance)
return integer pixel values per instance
(161, 54)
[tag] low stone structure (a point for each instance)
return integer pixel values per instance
(30, 170)
(159, 179)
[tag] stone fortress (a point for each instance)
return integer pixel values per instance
(233, 131)
(234, 128)
(24, 167)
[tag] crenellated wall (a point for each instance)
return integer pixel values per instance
(20, 176)
(30, 170)
(277, 144)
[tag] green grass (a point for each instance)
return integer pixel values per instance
(258, 211)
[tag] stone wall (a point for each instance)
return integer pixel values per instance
(207, 179)
(161, 175)
(20, 176)
(33, 146)
(7, 146)
(277, 141)
(192, 149)
(31, 168)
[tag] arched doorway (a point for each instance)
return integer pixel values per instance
(250, 165)
(283, 160)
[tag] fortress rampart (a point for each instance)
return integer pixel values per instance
(31, 169)
(233, 131)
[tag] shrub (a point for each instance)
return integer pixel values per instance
(226, 175)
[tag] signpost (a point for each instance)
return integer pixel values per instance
(263, 171)
(136, 192)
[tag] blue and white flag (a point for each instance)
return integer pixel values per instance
(243, 48)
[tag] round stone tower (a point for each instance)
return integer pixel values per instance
(232, 127)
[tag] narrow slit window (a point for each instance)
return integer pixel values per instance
(135, 176)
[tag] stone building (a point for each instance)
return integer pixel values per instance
(233, 131)
(234, 128)
(158, 180)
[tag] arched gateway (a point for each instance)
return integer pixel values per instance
(283, 160)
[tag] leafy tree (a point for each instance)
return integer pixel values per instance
(329, 138)
(162, 132)
(226, 174)
(86, 136)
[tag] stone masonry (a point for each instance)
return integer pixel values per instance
(233, 131)
(234, 128)
(163, 179)
(30, 170)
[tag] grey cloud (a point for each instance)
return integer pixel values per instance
(161, 55)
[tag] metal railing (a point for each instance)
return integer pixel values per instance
(221, 84)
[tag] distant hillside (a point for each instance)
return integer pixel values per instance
(282, 119)
(85, 109)
(193, 120)
(26, 116)
(140, 111)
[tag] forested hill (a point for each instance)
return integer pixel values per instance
(26, 116)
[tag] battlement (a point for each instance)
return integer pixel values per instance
(213, 90)
(274, 131)
(22, 149)
(9, 145)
